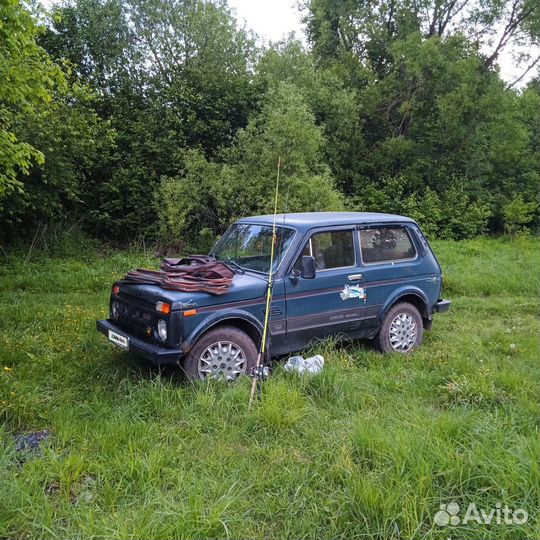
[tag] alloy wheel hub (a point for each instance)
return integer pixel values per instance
(402, 332)
(222, 360)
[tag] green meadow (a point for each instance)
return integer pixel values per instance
(370, 448)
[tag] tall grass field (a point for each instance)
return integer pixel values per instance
(369, 449)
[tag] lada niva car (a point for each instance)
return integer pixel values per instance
(353, 274)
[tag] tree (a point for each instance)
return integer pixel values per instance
(192, 202)
(365, 29)
(206, 196)
(162, 117)
(27, 79)
(76, 145)
(434, 107)
(518, 214)
(170, 76)
(284, 128)
(97, 41)
(334, 105)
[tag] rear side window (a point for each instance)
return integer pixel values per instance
(332, 249)
(386, 244)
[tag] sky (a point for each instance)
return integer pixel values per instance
(272, 20)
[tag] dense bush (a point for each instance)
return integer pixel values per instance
(518, 214)
(210, 196)
(453, 214)
(161, 119)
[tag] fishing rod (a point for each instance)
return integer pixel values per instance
(258, 372)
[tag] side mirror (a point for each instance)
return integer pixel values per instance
(308, 267)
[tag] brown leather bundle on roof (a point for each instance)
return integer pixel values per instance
(190, 274)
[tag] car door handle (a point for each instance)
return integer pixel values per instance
(355, 277)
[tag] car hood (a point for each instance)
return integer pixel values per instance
(244, 287)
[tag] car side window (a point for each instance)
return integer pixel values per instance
(386, 244)
(331, 249)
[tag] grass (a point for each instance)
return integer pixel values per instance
(368, 449)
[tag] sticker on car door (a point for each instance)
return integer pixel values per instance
(353, 291)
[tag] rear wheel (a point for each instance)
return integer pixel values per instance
(401, 330)
(224, 353)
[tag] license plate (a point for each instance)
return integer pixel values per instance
(119, 340)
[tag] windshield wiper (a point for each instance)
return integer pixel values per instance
(234, 264)
(229, 262)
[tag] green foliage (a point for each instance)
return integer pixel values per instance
(191, 202)
(157, 119)
(452, 214)
(27, 78)
(461, 217)
(367, 449)
(208, 195)
(443, 118)
(55, 144)
(200, 62)
(92, 35)
(169, 77)
(284, 128)
(75, 144)
(430, 105)
(518, 214)
(341, 31)
(426, 209)
(334, 106)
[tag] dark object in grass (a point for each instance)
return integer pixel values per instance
(30, 442)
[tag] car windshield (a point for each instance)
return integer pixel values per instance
(249, 246)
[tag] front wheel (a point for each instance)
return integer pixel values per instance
(224, 353)
(401, 330)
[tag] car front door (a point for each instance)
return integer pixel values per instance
(331, 302)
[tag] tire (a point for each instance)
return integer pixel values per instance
(401, 330)
(224, 353)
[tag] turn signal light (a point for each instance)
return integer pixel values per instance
(116, 289)
(163, 307)
(190, 312)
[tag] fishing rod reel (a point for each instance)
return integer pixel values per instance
(261, 373)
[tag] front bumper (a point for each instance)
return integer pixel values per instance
(441, 306)
(154, 353)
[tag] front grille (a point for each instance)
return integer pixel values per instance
(136, 320)
(137, 316)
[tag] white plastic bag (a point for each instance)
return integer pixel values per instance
(312, 365)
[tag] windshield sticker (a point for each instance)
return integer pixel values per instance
(353, 291)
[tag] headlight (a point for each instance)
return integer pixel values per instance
(163, 307)
(114, 310)
(162, 329)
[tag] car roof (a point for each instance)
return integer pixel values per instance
(307, 220)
